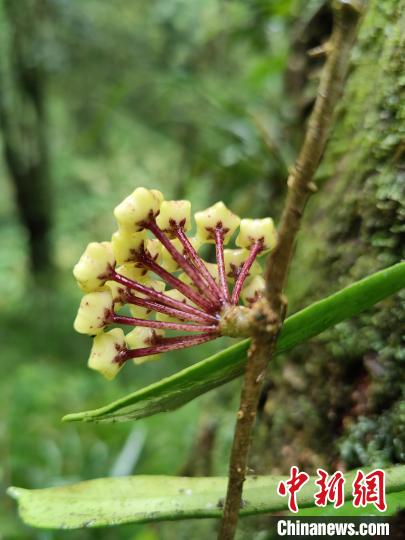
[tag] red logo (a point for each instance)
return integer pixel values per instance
(370, 489)
(331, 489)
(292, 486)
(366, 488)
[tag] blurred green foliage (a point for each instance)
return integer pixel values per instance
(181, 95)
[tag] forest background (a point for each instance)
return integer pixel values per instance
(204, 101)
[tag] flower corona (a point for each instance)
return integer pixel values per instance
(151, 278)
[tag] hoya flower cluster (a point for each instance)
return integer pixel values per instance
(151, 278)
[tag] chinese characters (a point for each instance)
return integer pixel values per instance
(366, 488)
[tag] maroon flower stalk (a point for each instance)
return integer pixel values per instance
(163, 325)
(197, 261)
(155, 295)
(211, 298)
(198, 279)
(167, 344)
(176, 283)
(219, 250)
(155, 306)
(255, 249)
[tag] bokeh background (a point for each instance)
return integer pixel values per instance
(204, 101)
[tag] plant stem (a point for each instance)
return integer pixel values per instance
(163, 325)
(270, 311)
(188, 268)
(155, 295)
(176, 283)
(256, 248)
(219, 251)
(196, 259)
(173, 312)
(169, 344)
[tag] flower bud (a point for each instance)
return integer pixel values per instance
(104, 355)
(174, 214)
(126, 245)
(141, 337)
(139, 207)
(234, 260)
(92, 269)
(217, 215)
(141, 312)
(158, 195)
(93, 311)
(254, 230)
(154, 248)
(168, 262)
(253, 290)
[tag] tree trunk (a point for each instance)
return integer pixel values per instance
(337, 402)
(23, 123)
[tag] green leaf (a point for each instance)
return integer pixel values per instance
(136, 499)
(174, 391)
(395, 501)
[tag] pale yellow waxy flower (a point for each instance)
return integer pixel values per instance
(215, 216)
(93, 311)
(154, 248)
(104, 353)
(167, 260)
(253, 290)
(234, 260)
(174, 214)
(92, 269)
(127, 245)
(255, 230)
(158, 195)
(140, 338)
(139, 207)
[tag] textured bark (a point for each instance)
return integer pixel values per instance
(338, 401)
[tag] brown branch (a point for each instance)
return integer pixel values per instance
(268, 313)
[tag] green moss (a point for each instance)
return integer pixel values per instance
(339, 400)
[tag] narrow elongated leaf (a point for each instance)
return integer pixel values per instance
(395, 501)
(185, 385)
(136, 499)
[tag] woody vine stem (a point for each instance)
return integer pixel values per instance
(269, 312)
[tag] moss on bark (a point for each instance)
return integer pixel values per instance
(339, 401)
